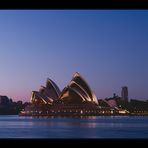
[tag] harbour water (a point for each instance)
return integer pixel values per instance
(100, 127)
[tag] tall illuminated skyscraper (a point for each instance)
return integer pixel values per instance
(124, 93)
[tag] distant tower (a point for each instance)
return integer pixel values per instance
(124, 93)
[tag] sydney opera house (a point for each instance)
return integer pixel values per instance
(76, 98)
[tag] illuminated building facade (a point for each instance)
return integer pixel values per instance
(76, 98)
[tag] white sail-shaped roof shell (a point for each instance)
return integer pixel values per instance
(79, 86)
(47, 94)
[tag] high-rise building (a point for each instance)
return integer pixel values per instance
(124, 93)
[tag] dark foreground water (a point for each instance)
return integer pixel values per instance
(62, 127)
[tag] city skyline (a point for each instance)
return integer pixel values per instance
(108, 47)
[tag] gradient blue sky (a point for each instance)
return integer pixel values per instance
(108, 47)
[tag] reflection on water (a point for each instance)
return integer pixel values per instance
(80, 117)
(74, 127)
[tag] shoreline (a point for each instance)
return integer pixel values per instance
(82, 115)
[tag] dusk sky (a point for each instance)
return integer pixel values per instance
(109, 48)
